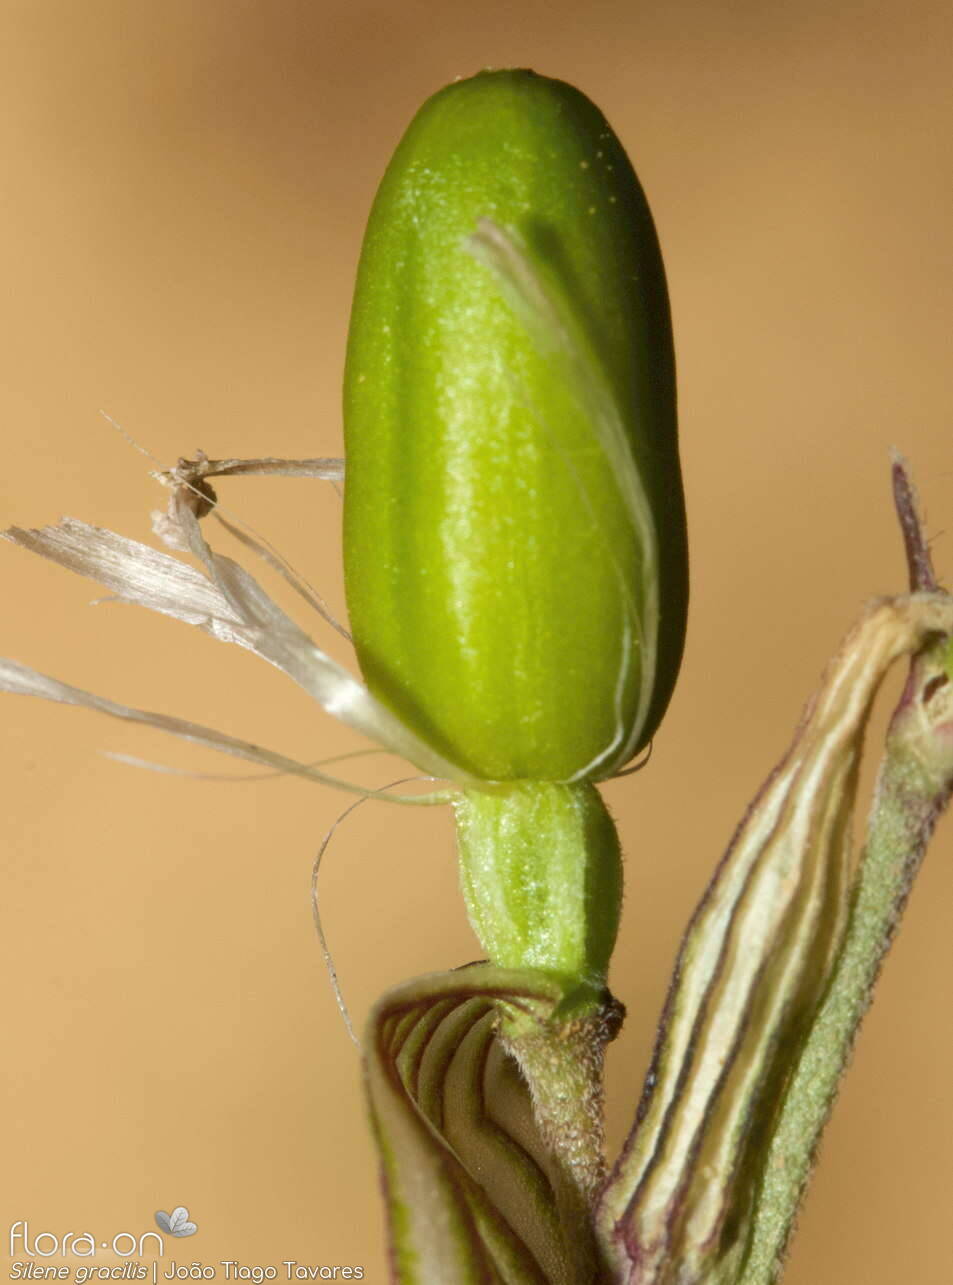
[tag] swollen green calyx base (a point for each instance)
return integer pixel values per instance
(541, 872)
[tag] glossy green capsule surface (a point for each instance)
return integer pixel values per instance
(514, 528)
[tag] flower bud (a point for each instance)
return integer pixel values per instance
(514, 529)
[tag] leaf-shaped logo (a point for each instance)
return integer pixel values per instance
(177, 1223)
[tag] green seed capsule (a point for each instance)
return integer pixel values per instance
(514, 529)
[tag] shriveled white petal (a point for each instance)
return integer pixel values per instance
(191, 477)
(233, 607)
(20, 680)
(329, 469)
(134, 573)
(189, 481)
(225, 778)
(276, 638)
(274, 560)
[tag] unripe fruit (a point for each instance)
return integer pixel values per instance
(514, 529)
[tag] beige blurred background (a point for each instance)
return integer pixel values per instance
(181, 209)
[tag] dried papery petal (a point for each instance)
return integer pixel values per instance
(20, 680)
(231, 606)
(134, 573)
(750, 974)
(190, 477)
(189, 480)
(279, 640)
(190, 472)
(274, 560)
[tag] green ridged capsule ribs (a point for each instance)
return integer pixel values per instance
(514, 527)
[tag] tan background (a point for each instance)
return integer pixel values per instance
(182, 202)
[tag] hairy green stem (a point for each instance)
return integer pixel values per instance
(541, 875)
(562, 1063)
